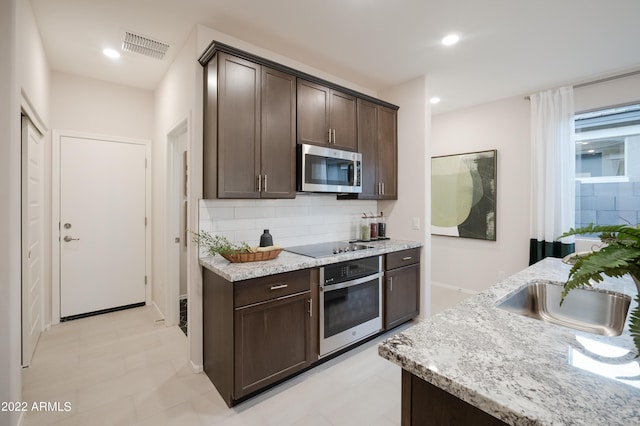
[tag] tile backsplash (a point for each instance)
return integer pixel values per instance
(306, 219)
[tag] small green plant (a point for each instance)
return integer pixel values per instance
(218, 244)
(620, 255)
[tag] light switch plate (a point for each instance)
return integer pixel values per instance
(415, 224)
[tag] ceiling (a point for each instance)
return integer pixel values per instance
(507, 47)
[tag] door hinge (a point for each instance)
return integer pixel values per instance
(145, 221)
(145, 280)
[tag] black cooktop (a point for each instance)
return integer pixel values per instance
(326, 249)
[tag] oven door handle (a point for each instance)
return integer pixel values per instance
(351, 283)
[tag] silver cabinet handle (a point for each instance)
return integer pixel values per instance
(334, 136)
(259, 183)
(390, 283)
(310, 307)
(68, 238)
(382, 188)
(407, 258)
(329, 135)
(265, 183)
(278, 287)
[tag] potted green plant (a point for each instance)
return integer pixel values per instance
(218, 244)
(619, 255)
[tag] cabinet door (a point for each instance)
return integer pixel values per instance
(368, 147)
(272, 341)
(388, 153)
(278, 134)
(238, 127)
(313, 113)
(342, 120)
(402, 295)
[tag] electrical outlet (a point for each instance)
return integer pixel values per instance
(415, 223)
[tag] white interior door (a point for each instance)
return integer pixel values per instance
(102, 225)
(32, 239)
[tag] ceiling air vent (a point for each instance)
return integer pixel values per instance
(136, 43)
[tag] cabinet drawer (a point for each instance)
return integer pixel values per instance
(402, 258)
(270, 287)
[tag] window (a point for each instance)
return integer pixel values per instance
(608, 166)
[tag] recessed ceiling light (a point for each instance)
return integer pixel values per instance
(451, 39)
(434, 100)
(111, 53)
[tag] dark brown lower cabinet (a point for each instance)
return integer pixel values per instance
(402, 287)
(256, 332)
(271, 341)
(426, 404)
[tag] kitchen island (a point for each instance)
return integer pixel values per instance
(518, 370)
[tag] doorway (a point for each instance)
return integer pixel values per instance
(177, 206)
(101, 240)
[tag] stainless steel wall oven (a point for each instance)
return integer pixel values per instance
(350, 302)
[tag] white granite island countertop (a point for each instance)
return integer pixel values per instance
(287, 262)
(522, 370)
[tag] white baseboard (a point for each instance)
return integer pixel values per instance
(158, 311)
(196, 368)
(453, 288)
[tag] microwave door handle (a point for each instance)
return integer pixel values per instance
(351, 174)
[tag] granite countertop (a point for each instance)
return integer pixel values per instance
(522, 370)
(287, 261)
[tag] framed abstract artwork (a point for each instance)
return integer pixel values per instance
(463, 195)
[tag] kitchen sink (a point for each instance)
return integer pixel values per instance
(592, 310)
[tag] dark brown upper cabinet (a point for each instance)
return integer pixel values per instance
(256, 109)
(378, 143)
(278, 134)
(326, 116)
(249, 130)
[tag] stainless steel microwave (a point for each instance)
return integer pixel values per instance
(321, 169)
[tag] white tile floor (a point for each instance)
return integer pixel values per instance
(125, 368)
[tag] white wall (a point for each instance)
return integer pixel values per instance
(10, 380)
(87, 105)
(414, 121)
(307, 219)
(33, 69)
(178, 98)
(503, 125)
(94, 107)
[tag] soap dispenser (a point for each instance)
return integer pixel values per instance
(266, 239)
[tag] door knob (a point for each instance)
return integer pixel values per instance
(68, 238)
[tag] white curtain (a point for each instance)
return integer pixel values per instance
(553, 172)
